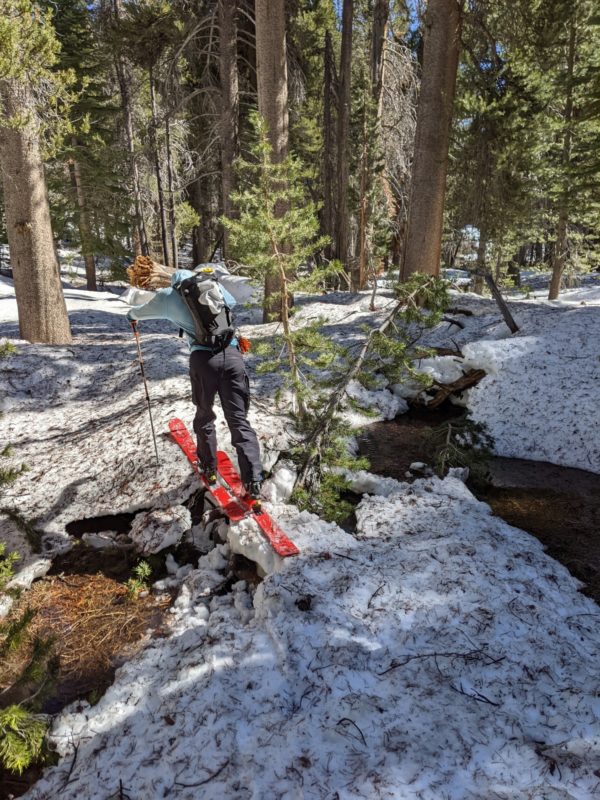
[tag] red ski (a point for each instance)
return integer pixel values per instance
(279, 541)
(239, 506)
(180, 434)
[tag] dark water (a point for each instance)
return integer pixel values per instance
(558, 505)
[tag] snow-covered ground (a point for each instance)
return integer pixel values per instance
(438, 654)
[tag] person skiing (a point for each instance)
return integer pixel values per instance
(200, 307)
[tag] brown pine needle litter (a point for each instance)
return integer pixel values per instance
(94, 624)
(148, 274)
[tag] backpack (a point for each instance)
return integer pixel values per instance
(213, 324)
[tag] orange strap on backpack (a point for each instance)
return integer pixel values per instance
(243, 344)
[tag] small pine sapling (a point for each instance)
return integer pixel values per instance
(22, 731)
(7, 563)
(276, 234)
(139, 581)
(387, 350)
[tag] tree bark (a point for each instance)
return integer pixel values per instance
(378, 33)
(230, 100)
(197, 193)
(271, 73)
(156, 156)
(343, 132)
(40, 300)
(559, 258)
(381, 10)
(85, 232)
(359, 268)
(170, 181)
(434, 116)
(481, 265)
(328, 218)
(123, 79)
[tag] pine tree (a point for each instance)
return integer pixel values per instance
(440, 63)
(275, 244)
(97, 202)
(30, 89)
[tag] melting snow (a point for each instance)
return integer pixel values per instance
(438, 654)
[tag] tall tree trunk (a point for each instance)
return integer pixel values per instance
(481, 261)
(197, 193)
(170, 181)
(124, 80)
(381, 10)
(359, 268)
(328, 224)
(343, 132)
(428, 188)
(378, 33)
(271, 73)
(559, 258)
(40, 300)
(156, 156)
(230, 99)
(85, 232)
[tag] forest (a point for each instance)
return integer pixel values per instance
(387, 583)
(422, 136)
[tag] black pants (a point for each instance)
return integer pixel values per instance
(224, 373)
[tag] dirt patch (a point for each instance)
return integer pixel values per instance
(94, 624)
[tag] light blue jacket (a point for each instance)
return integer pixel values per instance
(167, 304)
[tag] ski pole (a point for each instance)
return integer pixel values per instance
(141, 360)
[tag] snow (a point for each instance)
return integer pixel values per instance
(438, 654)
(387, 403)
(153, 531)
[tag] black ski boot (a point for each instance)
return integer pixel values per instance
(253, 491)
(208, 473)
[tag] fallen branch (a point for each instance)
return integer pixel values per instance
(211, 777)
(148, 274)
(446, 389)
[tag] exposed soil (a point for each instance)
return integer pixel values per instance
(558, 505)
(92, 624)
(84, 606)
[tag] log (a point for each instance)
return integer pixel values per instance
(444, 390)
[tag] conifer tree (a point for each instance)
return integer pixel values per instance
(440, 63)
(275, 244)
(28, 90)
(97, 197)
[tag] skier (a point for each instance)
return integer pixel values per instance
(199, 306)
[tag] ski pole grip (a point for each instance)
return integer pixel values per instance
(134, 323)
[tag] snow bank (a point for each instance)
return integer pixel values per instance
(440, 653)
(386, 402)
(542, 388)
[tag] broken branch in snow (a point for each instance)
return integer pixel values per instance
(501, 302)
(481, 698)
(469, 655)
(345, 722)
(446, 389)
